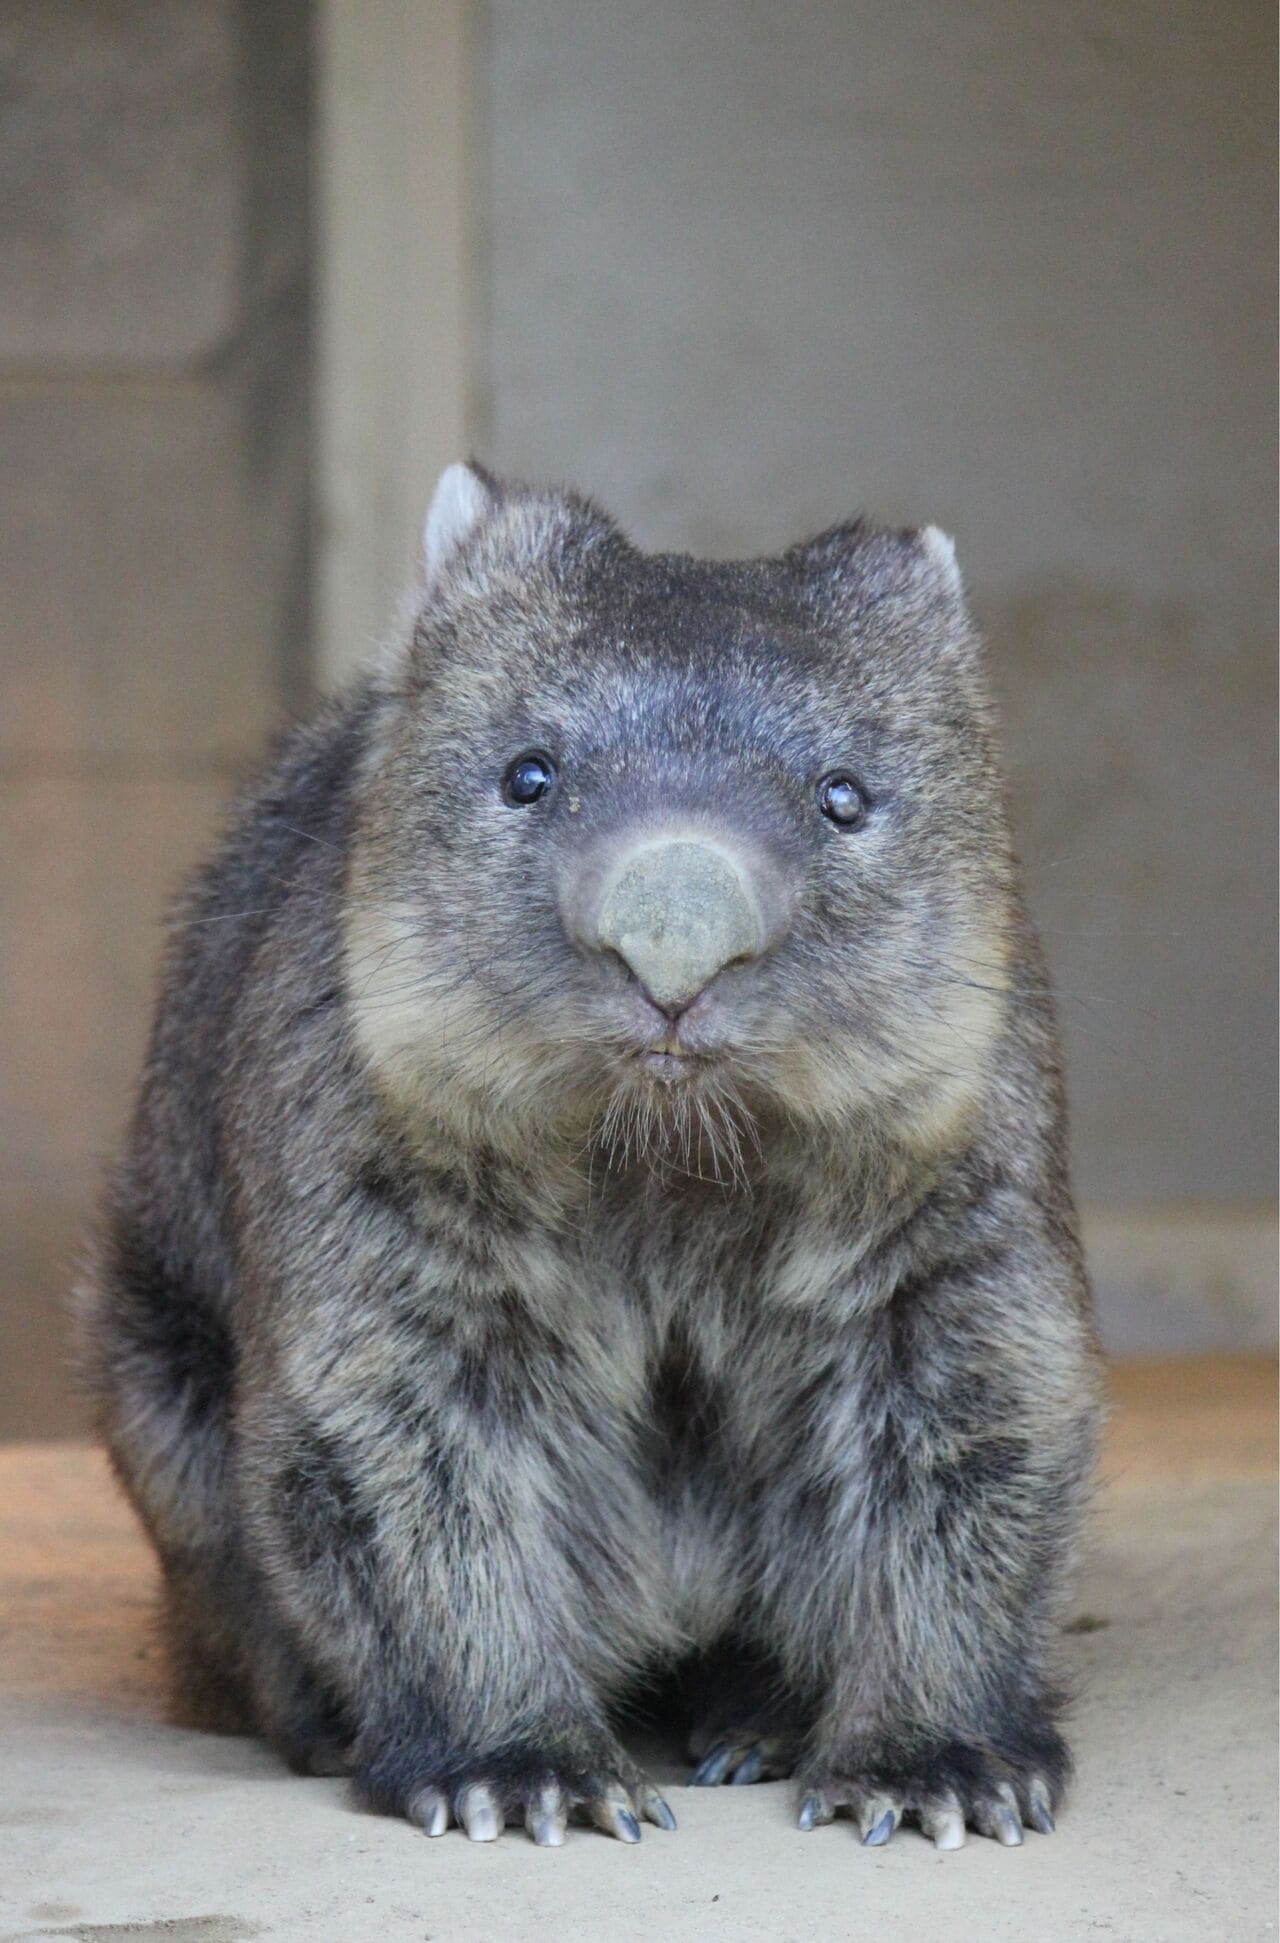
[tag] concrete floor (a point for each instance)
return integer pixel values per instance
(118, 1826)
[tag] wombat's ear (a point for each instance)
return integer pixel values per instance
(923, 557)
(939, 552)
(464, 498)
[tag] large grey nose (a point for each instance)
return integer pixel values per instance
(677, 911)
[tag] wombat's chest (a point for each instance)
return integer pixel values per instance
(683, 1324)
(710, 1336)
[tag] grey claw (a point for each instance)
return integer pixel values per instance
(430, 1810)
(944, 1825)
(712, 1769)
(808, 1815)
(657, 1811)
(878, 1816)
(612, 1813)
(749, 1769)
(875, 1838)
(1039, 1810)
(546, 1816)
(998, 1817)
(478, 1813)
(1008, 1828)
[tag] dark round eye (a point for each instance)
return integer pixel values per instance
(843, 799)
(528, 779)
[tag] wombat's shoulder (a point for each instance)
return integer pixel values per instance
(284, 835)
(296, 803)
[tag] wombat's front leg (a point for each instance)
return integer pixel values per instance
(458, 1573)
(938, 1493)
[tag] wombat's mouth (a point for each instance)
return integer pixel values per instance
(668, 1063)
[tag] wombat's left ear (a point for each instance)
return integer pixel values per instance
(858, 559)
(464, 498)
(939, 552)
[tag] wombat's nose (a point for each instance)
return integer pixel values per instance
(677, 911)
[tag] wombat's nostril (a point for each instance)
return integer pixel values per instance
(677, 911)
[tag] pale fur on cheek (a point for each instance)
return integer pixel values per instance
(437, 1047)
(930, 1063)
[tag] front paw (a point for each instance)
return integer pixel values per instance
(943, 1789)
(483, 1793)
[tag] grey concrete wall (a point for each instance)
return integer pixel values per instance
(153, 550)
(756, 264)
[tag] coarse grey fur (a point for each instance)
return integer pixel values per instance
(478, 1336)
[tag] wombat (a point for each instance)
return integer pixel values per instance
(597, 1205)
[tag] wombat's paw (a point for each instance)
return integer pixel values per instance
(957, 1787)
(744, 1757)
(323, 1756)
(542, 1795)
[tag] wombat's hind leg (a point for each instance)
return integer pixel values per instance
(746, 1725)
(744, 1757)
(234, 1670)
(296, 1709)
(207, 1691)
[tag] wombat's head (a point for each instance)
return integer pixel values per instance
(669, 849)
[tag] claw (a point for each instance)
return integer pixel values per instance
(478, 1813)
(546, 1816)
(1000, 1820)
(430, 1810)
(811, 1813)
(612, 1812)
(712, 1768)
(877, 1819)
(1008, 1828)
(880, 1831)
(944, 1824)
(656, 1810)
(749, 1769)
(1039, 1810)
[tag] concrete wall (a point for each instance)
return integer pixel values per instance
(1009, 268)
(153, 550)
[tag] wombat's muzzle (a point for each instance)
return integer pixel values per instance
(677, 911)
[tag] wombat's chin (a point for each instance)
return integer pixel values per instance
(677, 1115)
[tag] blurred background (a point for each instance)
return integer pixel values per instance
(738, 268)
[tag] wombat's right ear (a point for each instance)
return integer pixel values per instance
(464, 498)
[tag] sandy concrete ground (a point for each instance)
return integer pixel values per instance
(115, 1825)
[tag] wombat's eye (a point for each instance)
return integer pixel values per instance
(528, 779)
(843, 799)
